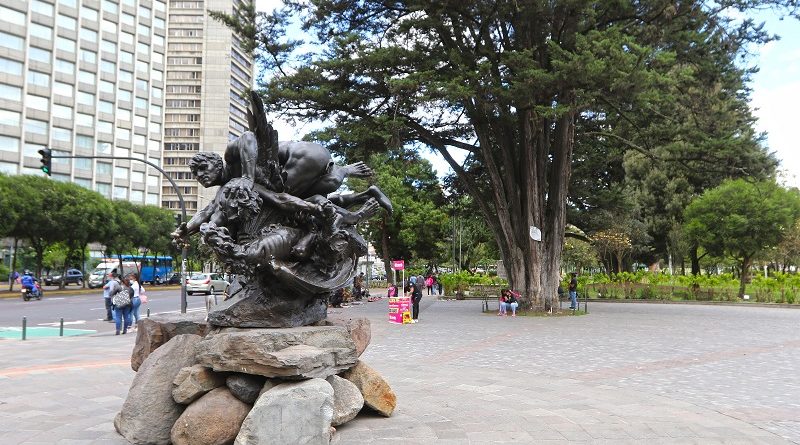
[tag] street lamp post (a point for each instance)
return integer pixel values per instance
(184, 247)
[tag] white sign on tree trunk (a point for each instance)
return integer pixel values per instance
(536, 234)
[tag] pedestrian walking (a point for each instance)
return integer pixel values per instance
(136, 301)
(429, 284)
(122, 300)
(109, 288)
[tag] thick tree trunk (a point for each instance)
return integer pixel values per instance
(695, 260)
(13, 264)
(745, 271)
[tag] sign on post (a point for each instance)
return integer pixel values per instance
(398, 264)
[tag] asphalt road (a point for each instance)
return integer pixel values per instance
(82, 310)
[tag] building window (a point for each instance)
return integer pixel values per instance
(86, 77)
(105, 127)
(67, 22)
(108, 67)
(120, 192)
(89, 13)
(110, 7)
(11, 41)
(128, 19)
(63, 66)
(10, 67)
(126, 37)
(37, 102)
(89, 35)
(11, 118)
(85, 120)
(65, 44)
(42, 8)
(106, 87)
(62, 134)
(126, 57)
(85, 98)
(123, 115)
(39, 55)
(62, 112)
(184, 60)
(109, 27)
(36, 127)
(124, 96)
(103, 189)
(104, 168)
(7, 143)
(143, 29)
(62, 89)
(40, 31)
(83, 141)
(88, 56)
(12, 16)
(109, 47)
(144, 12)
(9, 92)
(125, 76)
(105, 107)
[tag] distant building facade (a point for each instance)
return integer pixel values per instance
(147, 79)
(208, 75)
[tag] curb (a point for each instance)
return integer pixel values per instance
(76, 291)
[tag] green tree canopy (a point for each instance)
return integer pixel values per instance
(506, 82)
(740, 219)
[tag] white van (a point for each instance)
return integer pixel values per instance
(102, 272)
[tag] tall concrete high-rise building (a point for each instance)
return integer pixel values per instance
(207, 77)
(84, 77)
(156, 80)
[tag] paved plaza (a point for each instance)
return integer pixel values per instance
(625, 373)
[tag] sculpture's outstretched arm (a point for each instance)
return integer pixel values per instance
(286, 202)
(192, 226)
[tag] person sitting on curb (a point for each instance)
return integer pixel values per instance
(502, 303)
(510, 301)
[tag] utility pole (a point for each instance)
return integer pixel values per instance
(184, 249)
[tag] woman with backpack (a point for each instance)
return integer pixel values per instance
(122, 299)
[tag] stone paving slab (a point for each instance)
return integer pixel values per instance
(624, 374)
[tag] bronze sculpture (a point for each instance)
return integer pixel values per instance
(273, 223)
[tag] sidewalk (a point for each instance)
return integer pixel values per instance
(622, 374)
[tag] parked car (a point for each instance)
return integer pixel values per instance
(73, 276)
(207, 283)
(175, 278)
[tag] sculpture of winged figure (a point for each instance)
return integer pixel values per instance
(277, 223)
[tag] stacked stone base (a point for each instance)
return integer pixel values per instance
(197, 384)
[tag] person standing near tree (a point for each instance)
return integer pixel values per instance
(573, 291)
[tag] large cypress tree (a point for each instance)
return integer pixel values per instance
(507, 82)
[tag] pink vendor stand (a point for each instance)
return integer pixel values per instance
(399, 305)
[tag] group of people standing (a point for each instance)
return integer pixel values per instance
(123, 298)
(434, 285)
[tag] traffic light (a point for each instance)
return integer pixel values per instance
(47, 160)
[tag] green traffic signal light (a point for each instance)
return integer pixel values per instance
(47, 160)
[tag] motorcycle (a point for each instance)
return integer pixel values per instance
(36, 292)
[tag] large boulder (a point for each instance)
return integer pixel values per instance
(214, 419)
(259, 305)
(302, 352)
(155, 331)
(149, 410)
(347, 400)
(245, 387)
(377, 393)
(290, 413)
(359, 328)
(193, 382)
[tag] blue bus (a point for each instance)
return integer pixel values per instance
(152, 269)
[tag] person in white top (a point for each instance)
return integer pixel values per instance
(136, 301)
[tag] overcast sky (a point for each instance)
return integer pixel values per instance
(776, 91)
